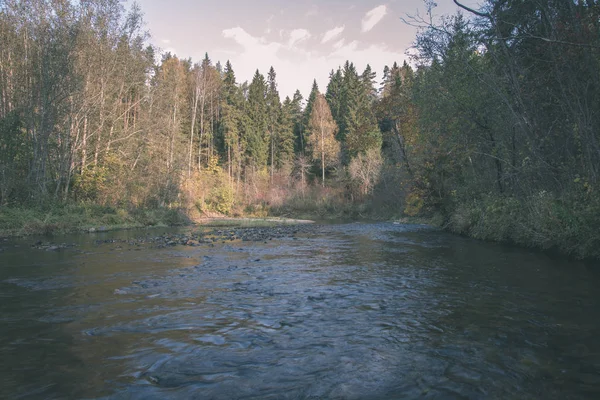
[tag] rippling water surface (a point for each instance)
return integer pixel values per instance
(351, 311)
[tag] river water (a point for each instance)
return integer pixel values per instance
(349, 311)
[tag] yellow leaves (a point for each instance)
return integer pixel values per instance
(414, 204)
(585, 184)
(90, 183)
(213, 164)
(323, 128)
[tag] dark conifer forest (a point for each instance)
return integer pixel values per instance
(491, 129)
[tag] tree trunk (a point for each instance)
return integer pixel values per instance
(194, 113)
(323, 155)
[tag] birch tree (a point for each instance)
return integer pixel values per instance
(321, 142)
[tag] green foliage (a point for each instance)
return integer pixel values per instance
(218, 195)
(495, 131)
(298, 123)
(221, 199)
(541, 220)
(62, 218)
(414, 204)
(15, 155)
(257, 136)
(284, 140)
(88, 185)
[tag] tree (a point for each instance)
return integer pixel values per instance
(365, 169)
(322, 143)
(285, 139)
(233, 123)
(257, 137)
(334, 94)
(273, 117)
(361, 129)
(312, 97)
(397, 116)
(298, 120)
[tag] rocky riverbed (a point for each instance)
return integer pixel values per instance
(195, 237)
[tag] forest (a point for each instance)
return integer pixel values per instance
(491, 129)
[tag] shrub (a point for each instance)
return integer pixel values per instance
(221, 199)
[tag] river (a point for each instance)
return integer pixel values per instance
(346, 311)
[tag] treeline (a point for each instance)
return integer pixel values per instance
(87, 115)
(494, 133)
(507, 144)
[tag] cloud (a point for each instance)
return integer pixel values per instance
(240, 36)
(339, 44)
(165, 41)
(297, 66)
(333, 33)
(312, 11)
(373, 17)
(298, 35)
(269, 20)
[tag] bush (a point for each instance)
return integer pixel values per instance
(222, 199)
(569, 224)
(89, 184)
(211, 191)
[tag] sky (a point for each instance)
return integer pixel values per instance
(303, 39)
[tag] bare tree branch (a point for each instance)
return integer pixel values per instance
(472, 11)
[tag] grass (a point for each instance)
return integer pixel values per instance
(57, 219)
(569, 224)
(317, 203)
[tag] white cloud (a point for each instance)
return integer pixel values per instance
(373, 17)
(298, 35)
(241, 37)
(312, 11)
(269, 20)
(165, 41)
(297, 66)
(339, 44)
(333, 33)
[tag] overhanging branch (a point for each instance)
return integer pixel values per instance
(472, 11)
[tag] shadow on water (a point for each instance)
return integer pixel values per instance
(353, 311)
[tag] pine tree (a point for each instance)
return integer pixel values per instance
(312, 97)
(285, 142)
(384, 81)
(229, 83)
(232, 123)
(367, 80)
(273, 117)
(258, 139)
(334, 94)
(361, 131)
(350, 99)
(298, 120)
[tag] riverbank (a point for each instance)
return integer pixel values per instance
(563, 225)
(93, 218)
(60, 219)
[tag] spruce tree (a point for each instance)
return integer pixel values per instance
(285, 142)
(232, 123)
(258, 140)
(334, 94)
(310, 102)
(298, 120)
(273, 117)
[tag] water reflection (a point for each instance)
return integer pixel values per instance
(346, 311)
